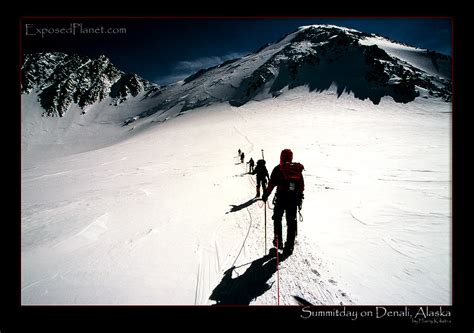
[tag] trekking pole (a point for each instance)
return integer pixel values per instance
(265, 217)
(265, 214)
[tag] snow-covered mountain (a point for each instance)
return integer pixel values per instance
(61, 80)
(317, 56)
(367, 65)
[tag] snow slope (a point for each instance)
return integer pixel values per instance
(412, 55)
(160, 213)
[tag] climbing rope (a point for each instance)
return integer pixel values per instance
(245, 239)
(260, 205)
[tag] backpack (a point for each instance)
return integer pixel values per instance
(261, 162)
(292, 177)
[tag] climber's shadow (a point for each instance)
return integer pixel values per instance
(248, 286)
(236, 208)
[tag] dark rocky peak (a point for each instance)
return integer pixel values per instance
(61, 80)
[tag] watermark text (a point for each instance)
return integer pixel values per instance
(73, 29)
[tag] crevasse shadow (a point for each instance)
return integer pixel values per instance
(248, 286)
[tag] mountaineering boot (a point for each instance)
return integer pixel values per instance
(288, 250)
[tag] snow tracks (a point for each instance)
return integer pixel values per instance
(247, 274)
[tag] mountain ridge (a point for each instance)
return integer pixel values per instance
(368, 65)
(61, 79)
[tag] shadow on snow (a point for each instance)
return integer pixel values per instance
(236, 208)
(248, 286)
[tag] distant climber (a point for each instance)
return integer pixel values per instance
(242, 157)
(288, 178)
(262, 176)
(251, 164)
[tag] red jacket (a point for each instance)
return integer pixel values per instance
(287, 176)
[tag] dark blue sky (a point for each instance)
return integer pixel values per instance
(167, 50)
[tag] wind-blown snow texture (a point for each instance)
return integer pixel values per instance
(129, 204)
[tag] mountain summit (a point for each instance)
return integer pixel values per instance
(317, 56)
